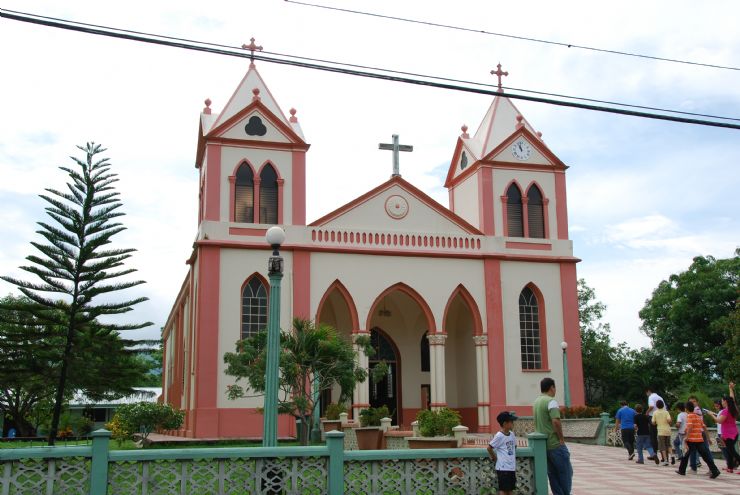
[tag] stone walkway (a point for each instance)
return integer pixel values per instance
(606, 471)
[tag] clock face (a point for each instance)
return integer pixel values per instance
(521, 150)
(396, 206)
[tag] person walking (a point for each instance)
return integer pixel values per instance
(547, 420)
(681, 433)
(695, 443)
(653, 398)
(642, 429)
(626, 426)
(662, 419)
(727, 420)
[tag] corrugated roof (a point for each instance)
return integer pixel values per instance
(143, 394)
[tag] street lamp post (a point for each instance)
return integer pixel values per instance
(566, 386)
(275, 237)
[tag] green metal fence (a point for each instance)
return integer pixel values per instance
(327, 469)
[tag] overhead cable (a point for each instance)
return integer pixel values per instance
(336, 67)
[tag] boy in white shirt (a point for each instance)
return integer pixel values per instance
(502, 450)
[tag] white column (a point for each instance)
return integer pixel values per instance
(481, 367)
(437, 369)
(361, 394)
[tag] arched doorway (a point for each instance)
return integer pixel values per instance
(386, 391)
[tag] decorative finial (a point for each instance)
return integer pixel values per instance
(464, 130)
(498, 72)
(252, 47)
(256, 93)
(293, 118)
(539, 135)
(519, 123)
(207, 109)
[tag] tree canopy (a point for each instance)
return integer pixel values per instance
(313, 357)
(76, 268)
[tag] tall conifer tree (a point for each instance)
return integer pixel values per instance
(77, 265)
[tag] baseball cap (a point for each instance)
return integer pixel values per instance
(505, 416)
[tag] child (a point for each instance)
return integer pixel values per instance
(662, 419)
(502, 450)
(642, 430)
(681, 426)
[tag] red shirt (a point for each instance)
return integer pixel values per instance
(694, 427)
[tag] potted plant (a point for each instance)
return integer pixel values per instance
(368, 434)
(331, 421)
(435, 428)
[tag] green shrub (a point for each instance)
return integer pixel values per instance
(146, 417)
(437, 423)
(373, 415)
(580, 412)
(83, 426)
(334, 410)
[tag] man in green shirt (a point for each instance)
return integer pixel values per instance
(547, 420)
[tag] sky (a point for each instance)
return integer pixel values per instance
(644, 196)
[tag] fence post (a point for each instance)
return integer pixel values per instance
(99, 464)
(604, 433)
(538, 442)
(335, 444)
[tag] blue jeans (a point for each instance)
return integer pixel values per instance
(643, 442)
(559, 470)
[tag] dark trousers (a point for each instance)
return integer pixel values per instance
(653, 435)
(702, 450)
(733, 459)
(628, 439)
(693, 455)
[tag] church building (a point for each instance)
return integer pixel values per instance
(470, 304)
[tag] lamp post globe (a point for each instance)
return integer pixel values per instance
(564, 345)
(275, 237)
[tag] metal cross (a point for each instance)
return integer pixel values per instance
(498, 72)
(396, 148)
(252, 48)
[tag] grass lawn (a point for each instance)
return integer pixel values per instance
(130, 445)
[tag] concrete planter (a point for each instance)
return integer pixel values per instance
(331, 425)
(432, 442)
(368, 438)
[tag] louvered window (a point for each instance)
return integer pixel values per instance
(254, 308)
(514, 220)
(268, 196)
(529, 330)
(244, 194)
(535, 213)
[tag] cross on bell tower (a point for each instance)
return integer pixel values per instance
(498, 72)
(396, 148)
(252, 47)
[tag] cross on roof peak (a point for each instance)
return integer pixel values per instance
(396, 148)
(498, 72)
(252, 47)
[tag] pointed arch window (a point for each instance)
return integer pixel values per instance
(268, 195)
(425, 352)
(254, 307)
(529, 330)
(244, 194)
(535, 213)
(514, 218)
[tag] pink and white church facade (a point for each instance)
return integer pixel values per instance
(468, 304)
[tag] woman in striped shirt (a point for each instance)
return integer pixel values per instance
(695, 442)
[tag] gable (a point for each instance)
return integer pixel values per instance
(519, 149)
(396, 206)
(255, 126)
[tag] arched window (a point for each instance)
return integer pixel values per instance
(268, 195)
(535, 213)
(514, 220)
(529, 330)
(244, 194)
(254, 307)
(425, 352)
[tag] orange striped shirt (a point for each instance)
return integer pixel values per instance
(694, 427)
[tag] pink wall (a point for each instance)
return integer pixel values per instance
(572, 331)
(495, 327)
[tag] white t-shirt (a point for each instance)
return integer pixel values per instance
(505, 448)
(652, 399)
(681, 422)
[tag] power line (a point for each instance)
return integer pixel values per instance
(512, 36)
(382, 74)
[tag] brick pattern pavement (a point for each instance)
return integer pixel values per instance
(606, 471)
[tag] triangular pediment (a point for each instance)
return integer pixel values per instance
(523, 148)
(256, 123)
(396, 205)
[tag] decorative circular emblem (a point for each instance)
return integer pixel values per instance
(396, 206)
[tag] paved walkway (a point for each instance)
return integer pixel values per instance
(606, 471)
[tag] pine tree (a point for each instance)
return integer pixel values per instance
(76, 266)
